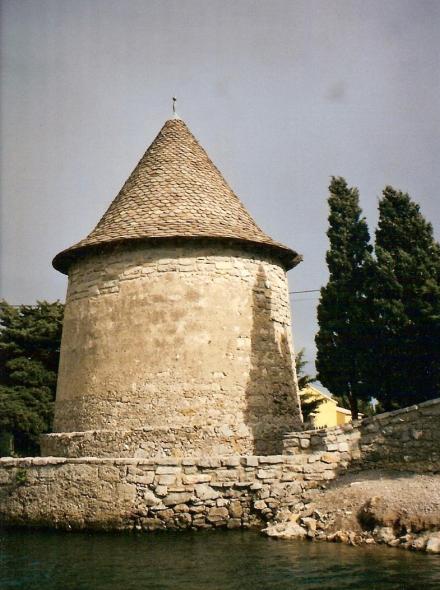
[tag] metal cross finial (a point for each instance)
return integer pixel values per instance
(174, 105)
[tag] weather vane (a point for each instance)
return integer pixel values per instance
(174, 105)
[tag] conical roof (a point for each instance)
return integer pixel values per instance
(175, 191)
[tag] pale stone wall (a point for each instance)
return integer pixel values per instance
(406, 439)
(176, 337)
(146, 494)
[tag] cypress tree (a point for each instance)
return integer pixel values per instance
(405, 296)
(342, 340)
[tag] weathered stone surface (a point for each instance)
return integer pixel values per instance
(433, 544)
(212, 401)
(205, 492)
(285, 530)
(217, 514)
(177, 498)
(406, 439)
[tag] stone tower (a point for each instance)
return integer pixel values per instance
(177, 333)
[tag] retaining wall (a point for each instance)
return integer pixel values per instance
(123, 493)
(407, 440)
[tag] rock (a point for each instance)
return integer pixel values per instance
(176, 498)
(152, 524)
(217, 514)
(150, 499)
(205, 492)
(285, 530)
(419, 544)
(433, 544)
(183, 519)
(339, 537)
(161, 491)
(196, 478)
(260, 505)
(309, 523)
(384, 534)
(235, 510)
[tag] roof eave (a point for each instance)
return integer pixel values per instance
(64, 259)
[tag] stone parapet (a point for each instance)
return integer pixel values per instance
(151, 494)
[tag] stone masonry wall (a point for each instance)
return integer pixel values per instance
(171, 337)
(406, 439)
(147, 443)
(146, 494)
(231, 491)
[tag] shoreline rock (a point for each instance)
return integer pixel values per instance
(403, 513)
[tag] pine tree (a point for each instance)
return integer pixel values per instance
(29, 352)
(342, 340)
(405, 296)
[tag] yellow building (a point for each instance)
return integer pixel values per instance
(328, 412)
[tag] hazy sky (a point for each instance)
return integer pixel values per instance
(281, 93)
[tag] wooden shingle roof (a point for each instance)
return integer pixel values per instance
(175, 191)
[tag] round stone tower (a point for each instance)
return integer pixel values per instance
(177, 333)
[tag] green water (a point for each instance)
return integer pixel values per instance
(213, 560)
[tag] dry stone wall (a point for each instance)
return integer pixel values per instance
(406, 439)
(146, 494)
(171, 337)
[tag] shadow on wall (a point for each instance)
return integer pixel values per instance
(271, 398)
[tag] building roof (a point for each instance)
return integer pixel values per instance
(317, 393)
(175, 191)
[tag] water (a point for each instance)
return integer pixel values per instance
(212, 560)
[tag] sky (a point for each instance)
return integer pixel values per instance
(282, 94)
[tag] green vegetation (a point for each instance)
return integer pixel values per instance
(379, 315)
(404, 291)
(342, 310)
(309, 403)
(29, 353)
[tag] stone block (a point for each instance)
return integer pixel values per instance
(205, 492)
(231, 461)
(235, 509)
(217, 514)
(267, 474)
(167, 470)
(165, 480)
(174, 498)
(252, 461)
(196, 478)
(272, 459)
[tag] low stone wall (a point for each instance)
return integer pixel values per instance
(146, 494)
(406, 439)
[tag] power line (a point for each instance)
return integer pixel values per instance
(306, 291)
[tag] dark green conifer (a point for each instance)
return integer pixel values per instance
(342, 340)
(405, 296)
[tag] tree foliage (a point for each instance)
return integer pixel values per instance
(404, 290)
(343, 309)
(300, 364)
(309, 402)
(29, 353)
